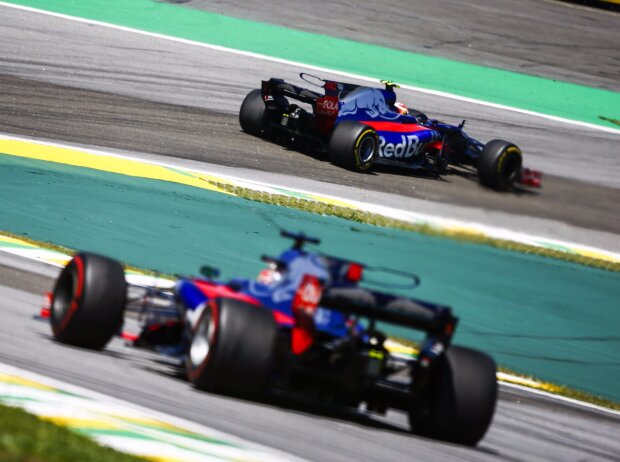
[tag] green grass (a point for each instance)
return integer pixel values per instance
(27, 438)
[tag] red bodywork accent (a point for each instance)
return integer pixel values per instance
(130, 337)
(301, 339)
(435, 145)
(214, 290)
(395, 127)
(78, 293)
(530, 177)
(326, 113)
(154, 327)
(46, 309)
(355, 272)
(283, 319)
(305, 303)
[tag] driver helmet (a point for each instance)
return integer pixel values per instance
(269, 275)
(400, 108)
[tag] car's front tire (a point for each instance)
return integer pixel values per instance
(88, 301)
(499, 165)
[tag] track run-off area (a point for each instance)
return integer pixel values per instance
(175, 228)
(535, 315)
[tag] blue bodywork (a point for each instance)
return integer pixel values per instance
(286, 273)
(407, 137)
(404, 138)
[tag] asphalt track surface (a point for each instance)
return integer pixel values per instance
(202, 90)
(546, 38)
(525, 428)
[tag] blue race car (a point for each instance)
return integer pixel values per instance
(307, 326)
(360, 126)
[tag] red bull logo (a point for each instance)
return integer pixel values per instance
(409, 146)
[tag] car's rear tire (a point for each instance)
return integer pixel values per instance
(253, 114)
(231, 349)
(461, 398)
(88, 301)
(255, 117)
(499, 165)
(354, 146)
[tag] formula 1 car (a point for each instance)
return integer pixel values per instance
(306, 326)
(360, 126)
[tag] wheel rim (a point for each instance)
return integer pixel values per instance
(367, 149)
(201, 342)
(511, 168)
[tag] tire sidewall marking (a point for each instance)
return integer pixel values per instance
(503, 156)
(356, 153)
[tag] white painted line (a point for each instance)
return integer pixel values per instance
(315, 68)
(85, 403)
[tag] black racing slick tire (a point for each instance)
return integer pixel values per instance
(499, 165)
(231, 348)
(354, 146)
(253, 114)
(462, 398)
(88, 301)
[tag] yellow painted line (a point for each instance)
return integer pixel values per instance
(59, 261)
(595, 254)
(76, 422)
(12, 240)
(78, 158)
(163, 459)
(147, 422)
(14, 380)
(460, 230)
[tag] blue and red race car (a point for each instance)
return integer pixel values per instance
(308, 325)
(360, 126)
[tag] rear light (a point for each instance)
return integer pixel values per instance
(355, 272)
(436, 145)
(308, 296)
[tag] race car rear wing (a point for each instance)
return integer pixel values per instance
(273, 88)
(277, 87)
(433, 319)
